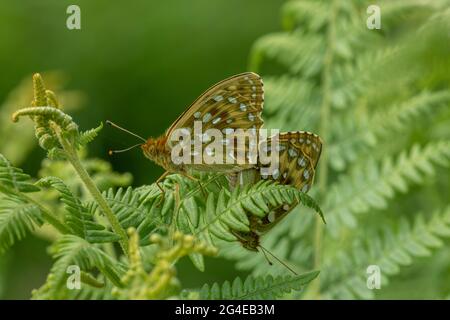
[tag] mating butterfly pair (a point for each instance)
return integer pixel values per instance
(299, 153)
(232, 104)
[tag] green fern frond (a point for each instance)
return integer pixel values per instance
(397, 247)
(91, 293)
(398, 117)
(89, 135)
(257, 288)
(59, 134)
(100, 170)
(179, 189)
(72, 250)
(356, 78)
(50, 121)
(43, 116)
(39, 91)
(230, 211)
(372, 185)
(284, 95)
(14, 178)
(161, 282)
(17, 218)
(352, 139)
(13, 134)
(392, 9)
(78, 217)
(131, 209)
(299, 52)
(310, 13)
(17, 215)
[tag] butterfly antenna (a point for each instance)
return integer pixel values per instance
(264, 250)
(112, 124)
(111, 152)
(265, 256)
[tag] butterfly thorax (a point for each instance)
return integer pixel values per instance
(156, 150)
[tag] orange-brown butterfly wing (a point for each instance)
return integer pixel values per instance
(234, 103)
(299, 153)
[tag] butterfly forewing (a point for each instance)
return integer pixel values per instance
(236, 102)
(232, 104)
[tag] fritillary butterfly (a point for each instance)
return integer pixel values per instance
(234, 103)
(299, 153)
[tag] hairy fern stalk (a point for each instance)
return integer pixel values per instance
(380, 101)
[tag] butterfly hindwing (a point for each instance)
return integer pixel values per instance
(299, 153)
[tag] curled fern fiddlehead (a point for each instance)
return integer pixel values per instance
(58, 133)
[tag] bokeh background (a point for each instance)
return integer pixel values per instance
(139, 63)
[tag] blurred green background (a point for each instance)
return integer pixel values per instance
(139, 63)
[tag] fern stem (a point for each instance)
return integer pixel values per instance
(46, 214)
(90, 280)
(325, 110)
(73, 158)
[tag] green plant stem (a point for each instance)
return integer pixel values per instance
(48, 216)
(324, 133)
(73, 158)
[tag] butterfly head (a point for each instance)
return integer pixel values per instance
(149, 148)
(249, 240)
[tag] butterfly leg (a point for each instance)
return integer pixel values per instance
(163, 192)
(198, 181)
(201, 188)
